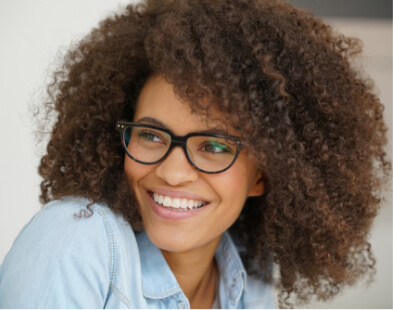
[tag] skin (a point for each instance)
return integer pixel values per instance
(189, 244)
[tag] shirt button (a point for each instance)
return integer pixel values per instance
(181, 305)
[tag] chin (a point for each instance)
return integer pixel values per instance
(171, 240)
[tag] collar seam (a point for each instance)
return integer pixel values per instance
(166, 294)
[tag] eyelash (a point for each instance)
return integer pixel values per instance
(225, 149)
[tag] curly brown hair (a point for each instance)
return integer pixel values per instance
(286, 83)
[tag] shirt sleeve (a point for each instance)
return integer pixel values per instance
(57, 261)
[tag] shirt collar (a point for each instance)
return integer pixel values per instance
(233, 276)
(158, 281)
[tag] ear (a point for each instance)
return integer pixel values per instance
(258, 187)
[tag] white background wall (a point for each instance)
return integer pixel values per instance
(32, 33)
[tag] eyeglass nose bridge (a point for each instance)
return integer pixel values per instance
(181, 142)
(178, 142)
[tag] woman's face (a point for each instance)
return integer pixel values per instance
(223, 194)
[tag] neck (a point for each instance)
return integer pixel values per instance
(196, 272)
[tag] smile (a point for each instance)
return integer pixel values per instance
(178, 204)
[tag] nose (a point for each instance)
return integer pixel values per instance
(175, 169)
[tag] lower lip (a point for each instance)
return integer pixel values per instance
(172, 214)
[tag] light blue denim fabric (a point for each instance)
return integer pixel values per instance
(59, 261)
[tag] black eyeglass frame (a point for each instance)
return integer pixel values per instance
(181, 141)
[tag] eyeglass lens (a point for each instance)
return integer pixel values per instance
(208, 153)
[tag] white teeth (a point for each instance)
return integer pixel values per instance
(175, 203)
(167, 201)
(181, 204)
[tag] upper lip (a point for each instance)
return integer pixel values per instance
(177, 194)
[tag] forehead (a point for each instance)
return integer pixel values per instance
(159, 101)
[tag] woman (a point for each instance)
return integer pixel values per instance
(244, 132)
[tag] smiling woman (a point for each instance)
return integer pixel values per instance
(197, 143)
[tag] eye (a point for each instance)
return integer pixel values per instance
(150, 136)
(216, 147)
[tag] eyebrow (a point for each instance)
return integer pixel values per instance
(155, 122)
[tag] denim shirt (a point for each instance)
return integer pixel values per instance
(62, 261)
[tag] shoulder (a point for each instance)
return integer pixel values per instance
(66, 250)
(70, 222)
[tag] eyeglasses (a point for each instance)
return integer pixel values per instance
(149, 145)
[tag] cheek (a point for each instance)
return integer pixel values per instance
(233, 185)
(129, 169)
(136, 174)
(135, 171)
